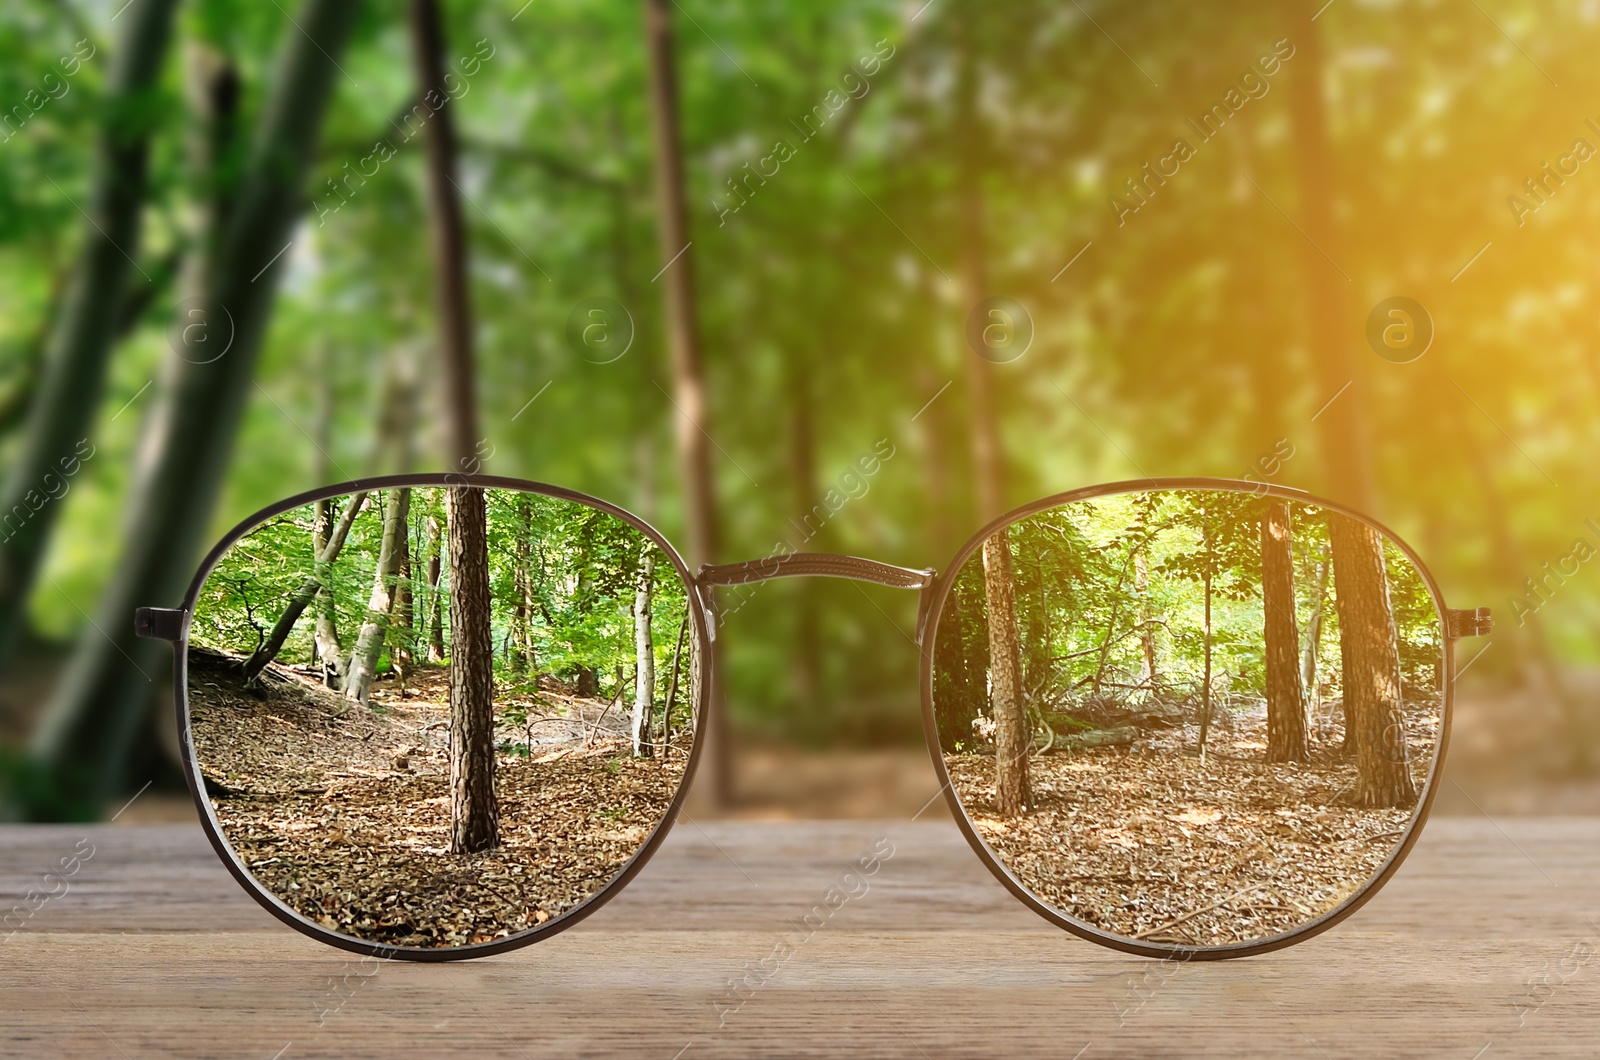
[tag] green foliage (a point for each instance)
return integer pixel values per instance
(1182, 333)
(584, 566)
(1080, 609)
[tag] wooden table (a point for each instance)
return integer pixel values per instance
(154, 952)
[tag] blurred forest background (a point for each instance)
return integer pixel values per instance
(243, 252)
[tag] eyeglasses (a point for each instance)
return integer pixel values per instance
(434, 717)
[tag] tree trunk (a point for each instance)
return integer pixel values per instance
(1013, 739)
(522, 660)
(93, 718)
(1205, 688)
(1342, 425)
(1034, 633)
(1532, 656)
(1147, 633)
(321, 564)
(958, 693)
(802, 458)
(449, 235)
(939, 427)
(1112, 623)
(1372, 689)
(1313, 648)
(369, 642)
(435, 597)
(1286, 712)
(987, 460)
(402, 627)
(644, 688)
(330, 651)
(474, 813)
(672, 689)
(683, 340)
(67, 397)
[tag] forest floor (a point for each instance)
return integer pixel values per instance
(343, 811)
(1144, 842)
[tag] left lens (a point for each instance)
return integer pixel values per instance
(436, 716)
(1189, 718)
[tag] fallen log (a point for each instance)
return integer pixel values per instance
(1079, 741)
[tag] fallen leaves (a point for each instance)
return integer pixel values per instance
(343, 812)
(1145, 843)
(1196, 817)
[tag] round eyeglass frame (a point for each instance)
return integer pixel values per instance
(941, 592)
(293, 917)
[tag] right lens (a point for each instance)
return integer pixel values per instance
(1190, 718)
(435, 716)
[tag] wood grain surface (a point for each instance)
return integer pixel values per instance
(1486, 945)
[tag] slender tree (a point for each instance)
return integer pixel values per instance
(326, 647)
(1286, 714)
(962, 693)
(644, 690)
(332, 543)
(1208, 559)
(329, 649)
(672, 689)
(1529, 642)
(363, 666)
(1342, 424)
(473, 809)
(403, 614)
(474, 812)
(1313, 646)
(1148, 675)
(803, 470)
(1013, 743)
(1371, 658)
(1013, 736)
(449, 233)
(67, 395)
(436, 549)
(522, 589)
(683, 340)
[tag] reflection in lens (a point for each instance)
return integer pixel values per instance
(1190, 717)
(438, 716)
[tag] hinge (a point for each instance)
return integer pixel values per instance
(1469, 622)
(159, 623)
